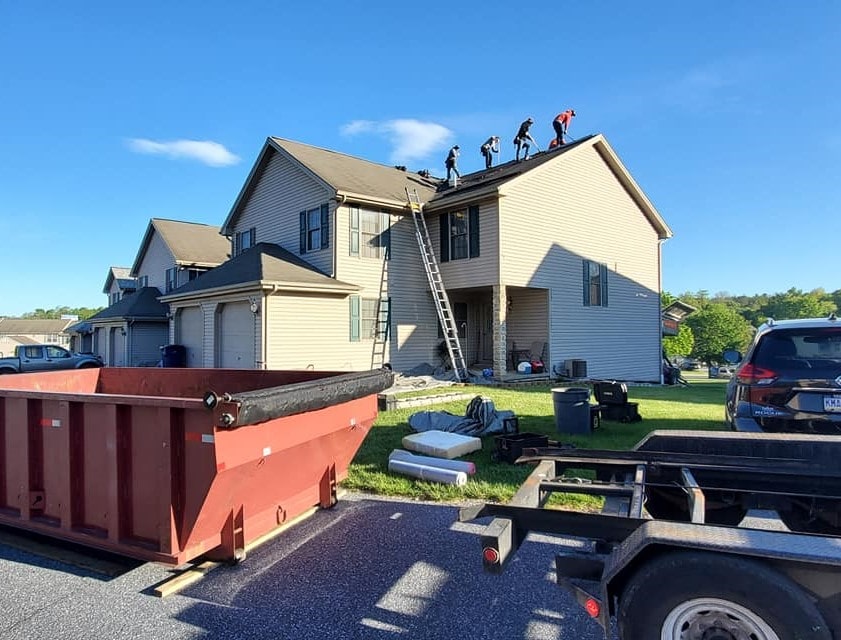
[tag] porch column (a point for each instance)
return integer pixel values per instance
(500, 331)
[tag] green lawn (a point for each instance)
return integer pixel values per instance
(697, 406)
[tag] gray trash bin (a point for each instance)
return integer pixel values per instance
(572, 409)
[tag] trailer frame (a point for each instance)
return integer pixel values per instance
(715, 474)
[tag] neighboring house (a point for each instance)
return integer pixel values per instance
(172, 253)
(130, 332)
(561, 251)
(673, 315)
(118, 284)
(20, 331)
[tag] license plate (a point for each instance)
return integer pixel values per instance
(832, 404)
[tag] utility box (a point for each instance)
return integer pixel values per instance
(575, 368)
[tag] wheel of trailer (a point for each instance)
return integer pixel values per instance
(695, 595)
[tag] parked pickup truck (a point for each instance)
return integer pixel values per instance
(46, 357)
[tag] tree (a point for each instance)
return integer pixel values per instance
(796, 304)
(56, 312)
(681, 344)
(716, 328)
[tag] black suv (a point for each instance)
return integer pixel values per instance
(789, 380)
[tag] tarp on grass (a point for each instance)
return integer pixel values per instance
(480, 419)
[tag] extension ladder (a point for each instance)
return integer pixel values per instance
(436, 286)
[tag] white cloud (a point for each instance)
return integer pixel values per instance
(205, 151)
(410, 139)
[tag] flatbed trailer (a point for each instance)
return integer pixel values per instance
(669, 556)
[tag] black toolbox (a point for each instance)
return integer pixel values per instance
(510, 447)
(628, 412)
(610, 392)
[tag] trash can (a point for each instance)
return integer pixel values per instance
(174, 355)
(572, 409)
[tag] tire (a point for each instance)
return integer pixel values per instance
(695, 595)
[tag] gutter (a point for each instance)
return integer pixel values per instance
(373, 200)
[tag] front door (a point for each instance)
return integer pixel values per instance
(486, 324)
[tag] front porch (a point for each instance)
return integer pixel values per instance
(500, 327)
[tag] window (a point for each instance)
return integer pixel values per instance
(57, 352)
(595, 284)
(369, 318)
(171, 279)
(315, 229)
(115, 297)
(459, 238)
(192, 274)
(369, 233)
(142, 281)
(244, 240)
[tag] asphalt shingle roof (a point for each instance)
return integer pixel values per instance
(355, 175)
(143, 303)
(266, 263)
(193, 243)
(23, 326)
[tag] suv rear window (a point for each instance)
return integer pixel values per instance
(796, 349)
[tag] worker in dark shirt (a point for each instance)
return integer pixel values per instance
(561, 124)
(450, 163)
(523, 138)
(490, 147)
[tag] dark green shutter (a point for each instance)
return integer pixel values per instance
(603, 284)
(444, 219)
(355, 320)
(302, 218)
(354, 231)
(586, 283)
(385, 235)
(473, 230)
(325, 226)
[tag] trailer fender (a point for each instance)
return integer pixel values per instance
(812, 562)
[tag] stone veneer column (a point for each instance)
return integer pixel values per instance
(500, 330)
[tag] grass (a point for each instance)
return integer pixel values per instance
(697, 406)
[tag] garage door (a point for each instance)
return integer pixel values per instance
(189, 331)
(118, 348)
(237, 336)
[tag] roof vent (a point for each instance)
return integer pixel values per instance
(770, 322)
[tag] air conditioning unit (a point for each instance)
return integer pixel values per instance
(575, 368)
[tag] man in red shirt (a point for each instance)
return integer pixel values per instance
(561, 123)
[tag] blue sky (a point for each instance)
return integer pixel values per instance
(726, 113)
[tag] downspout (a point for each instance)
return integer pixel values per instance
(340, 202)
(660, 242)
(265, 326)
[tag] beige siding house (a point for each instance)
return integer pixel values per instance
(16, 332)
(558, 256)
(133, 328)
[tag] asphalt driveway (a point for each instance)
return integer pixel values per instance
(369, 568)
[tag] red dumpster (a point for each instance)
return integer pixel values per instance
(171, 464)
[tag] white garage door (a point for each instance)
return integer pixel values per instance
(237, 336)
(189, 331)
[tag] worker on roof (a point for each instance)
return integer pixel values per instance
(450, 162)
(561, 124)
(523, 137)
(490, 147)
